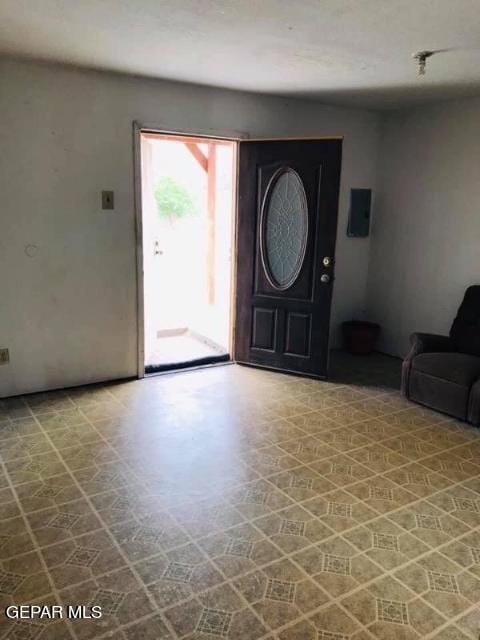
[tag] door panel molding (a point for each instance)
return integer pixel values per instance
(263, 328)
(298, 334)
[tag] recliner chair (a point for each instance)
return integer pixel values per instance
(443, 372)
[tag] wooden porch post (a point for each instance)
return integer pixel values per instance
(211, 221)
(209, 164)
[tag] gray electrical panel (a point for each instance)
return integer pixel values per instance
(359, 215)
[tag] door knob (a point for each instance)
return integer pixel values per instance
(325, 278)
(327, 261)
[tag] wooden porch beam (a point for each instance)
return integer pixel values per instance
(198, 154)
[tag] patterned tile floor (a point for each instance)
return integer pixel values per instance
(241, 504)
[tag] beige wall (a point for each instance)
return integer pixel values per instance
(425, 246)
(68, 314)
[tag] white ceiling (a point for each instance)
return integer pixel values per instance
(356, 52)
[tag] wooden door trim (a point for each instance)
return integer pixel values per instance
(233, 257)
(137, 186)
(209, 134)
(293, 139)
(219, 137)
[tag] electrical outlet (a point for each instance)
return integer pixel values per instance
(107, 200)
(4, 356)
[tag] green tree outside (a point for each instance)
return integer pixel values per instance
(173, 199)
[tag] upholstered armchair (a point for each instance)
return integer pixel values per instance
(443, 372)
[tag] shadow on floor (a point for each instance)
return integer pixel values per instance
(375, 370)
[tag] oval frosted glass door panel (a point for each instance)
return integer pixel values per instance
(284, 229)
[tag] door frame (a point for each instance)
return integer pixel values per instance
(236, 137)
(138, 129)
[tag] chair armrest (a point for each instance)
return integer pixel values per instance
(429, 343)
(422, 343)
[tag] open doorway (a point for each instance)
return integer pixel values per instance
(187, 215)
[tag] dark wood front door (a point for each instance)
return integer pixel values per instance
(287, 222)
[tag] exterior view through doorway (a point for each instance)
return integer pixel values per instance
(187, 186)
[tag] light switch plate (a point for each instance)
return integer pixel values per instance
(107, 200)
